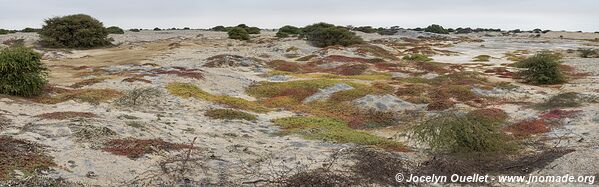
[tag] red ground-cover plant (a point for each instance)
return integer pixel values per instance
(528, 127)
(559, 114)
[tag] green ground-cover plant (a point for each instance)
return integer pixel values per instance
(542, 68)
(74, 31)
(417, 58)
(230, 114)
(332, 130)
(563, 100)
(21, 72)
(188, 90)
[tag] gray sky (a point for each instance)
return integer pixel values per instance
(571, 15)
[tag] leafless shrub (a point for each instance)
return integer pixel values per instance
(139, 96)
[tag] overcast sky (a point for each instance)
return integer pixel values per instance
(571, 15)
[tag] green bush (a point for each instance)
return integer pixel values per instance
(253, 30)
(28, 29)
(134, 30)
(323, 35)
(287, 31)
(542, 68)
(157, 29)
(365, 29)
(229, 114)
(436, 29)
(4, 31)
(462, 134)
(21, 72)
(74, 31)
(239, 33)
(588, 53)
(115, 30)
(417, 58)
(219, 28)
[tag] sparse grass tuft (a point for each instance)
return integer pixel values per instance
(189, 90)
(417, 58)
(563, 100)
(66, 115)
(230, 114)
(136, 148)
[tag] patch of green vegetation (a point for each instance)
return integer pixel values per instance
(288, 31)
(239, 33)
(417, 58)
(324, 35)
(563, 100)
(93, 96)
(188, 90)
(506, 86)
(463, 134)
(115, 30)
(481, 58)
(21, 72)
(273, 89)
(434, 28)
(542, 68)
(332, 130)
(230, 114)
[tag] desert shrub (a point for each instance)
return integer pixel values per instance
(365, 29)
(253, 30)
(74, 31)
(219, 28)
(139, 96)
(239, 33)
(563, 100)
(434, 28)
(134, 30)
(462, 133)
(229, 114)
(542, 68)
(29, 29)
(287, 31)
(588, 53)
(21, 72)
(136, 148)
(417, 58)
(115, 30)
(481, 58)
(14, 42)
(157, 29)
(383, 31)
(323, 35)
(4, 31)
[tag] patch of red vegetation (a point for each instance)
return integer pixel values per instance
(494, 114)
(560, 114)
(282, 65)
(501, 72)
(21, 155)
(298, 94)
(389, 66)
(339, 58)
(528, 127)
(350, 69)
(136, 148)
(182, 72)
(66, 115)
